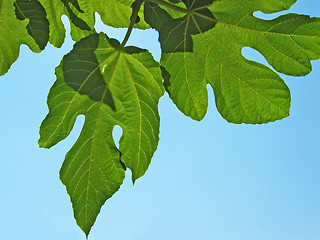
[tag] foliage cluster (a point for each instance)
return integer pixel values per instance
(114, 84)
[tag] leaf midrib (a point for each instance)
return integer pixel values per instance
(96, 124)
(32, 31)
(184, 64)
(187, 19)
(140, 115)
(250, 29)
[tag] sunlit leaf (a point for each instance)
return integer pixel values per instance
(121, 87)
(115, 13)
(245, 91)
(13, 33)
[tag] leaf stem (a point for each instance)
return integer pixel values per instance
(169, 5)
(204, 16)
(135, 10)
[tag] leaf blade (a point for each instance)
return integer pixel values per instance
(13, 33)
(94, 167)
(38, 26)
(288, 42)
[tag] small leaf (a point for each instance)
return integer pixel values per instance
(94, 168)
(38, 26)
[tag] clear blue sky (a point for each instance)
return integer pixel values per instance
(208, 180)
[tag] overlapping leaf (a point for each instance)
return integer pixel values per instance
(38, 27)
(115, 13)
(110, 86)
(175, 33)
(245, 91)
(151, 10)
(74, 9)
(14, 32)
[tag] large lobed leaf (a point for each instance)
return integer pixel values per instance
(110, 86)
(204, 47)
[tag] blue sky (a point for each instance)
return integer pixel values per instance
(207, 180)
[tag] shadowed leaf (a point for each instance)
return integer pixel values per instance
(73, 9)
(175, 34)
(114, 13)
(38, 26)
(82, 72)
(245, 91)
(13, 33)
(92, 170)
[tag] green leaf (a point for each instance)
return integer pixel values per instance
(156, 16)
(175, 34)
(73, 9)
(81, 21)
(38, 26)
(114, 13)
(110, 86)
(245, 91)
(13, 33)
(172, 12)
(55, 10)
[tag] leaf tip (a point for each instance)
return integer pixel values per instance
(42, 144)
(135, 177)
(85, 229)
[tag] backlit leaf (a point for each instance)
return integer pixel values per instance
(115, 13)
(175, 33)
(245, 91)
(13, 33)
(110, 86)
